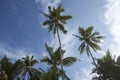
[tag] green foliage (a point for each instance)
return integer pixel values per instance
(55, 19)
(28, 63)
(89, 40)
(53, 58)
(108, 68)
(12, 70)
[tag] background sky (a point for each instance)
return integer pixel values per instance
(21, 31)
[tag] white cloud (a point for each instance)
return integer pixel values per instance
(45, 3)
(112, 16)
(82, 74)
(13, 53)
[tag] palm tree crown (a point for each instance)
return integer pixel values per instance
(53, 59)
(89, 40)
(28, 63)
(55, 19)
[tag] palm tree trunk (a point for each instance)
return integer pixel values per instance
(60, 53)
(93, 59)
(94, 63)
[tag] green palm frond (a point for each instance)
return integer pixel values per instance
(33, 62)
(94, 34)
(98, 37)
(95, 46)
(79, 37)
(56, 19)
(82, 47)
(46, 15)
(46, 60)
(51, 27)
(65, 17)
(61, 27)
(17, 67)
(69, 61)
(88, 50)
(47, 22)
(49, 50)
(81, 31)
(89, 30)
(60, 9)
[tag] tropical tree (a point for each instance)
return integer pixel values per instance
(108, 68)
(9, 70)
(53, 59)
(55, 21)
(28, 70)
(49, 75)
(89, 40)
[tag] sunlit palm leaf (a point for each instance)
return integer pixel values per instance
(82, 47)
(89, 30)
(80, 38)
(69, 61)
(47, 60)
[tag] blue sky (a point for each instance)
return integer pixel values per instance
(21, 31)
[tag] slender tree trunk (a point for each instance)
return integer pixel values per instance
(94, 63)
(60, 53)
(93, 59)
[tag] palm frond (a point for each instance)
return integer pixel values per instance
(49, 50)
(69, 61)
(33, 62)
(98, 37)
(81, 47)
(65, 17)
(47, 22)
(50, 27)
(46, 60)
(81, 31)
(46, 15)
(89, 30)
(95, 46)
(61, 27)
(79, 37)
(95, 34)
(88, 50)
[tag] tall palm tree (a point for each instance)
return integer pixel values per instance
(28, 63)
(89, 40)
(53, 59)
(9, 70)
(55, 21)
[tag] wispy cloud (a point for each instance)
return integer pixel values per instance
(14, 53)
(112, 19)
(82, 74)
(45, 3)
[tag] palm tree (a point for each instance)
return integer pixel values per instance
(55, 21)
(28, 63)
(89, 40)
(9, 70)
(49, 75)
(53, 59)
(107, 67)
